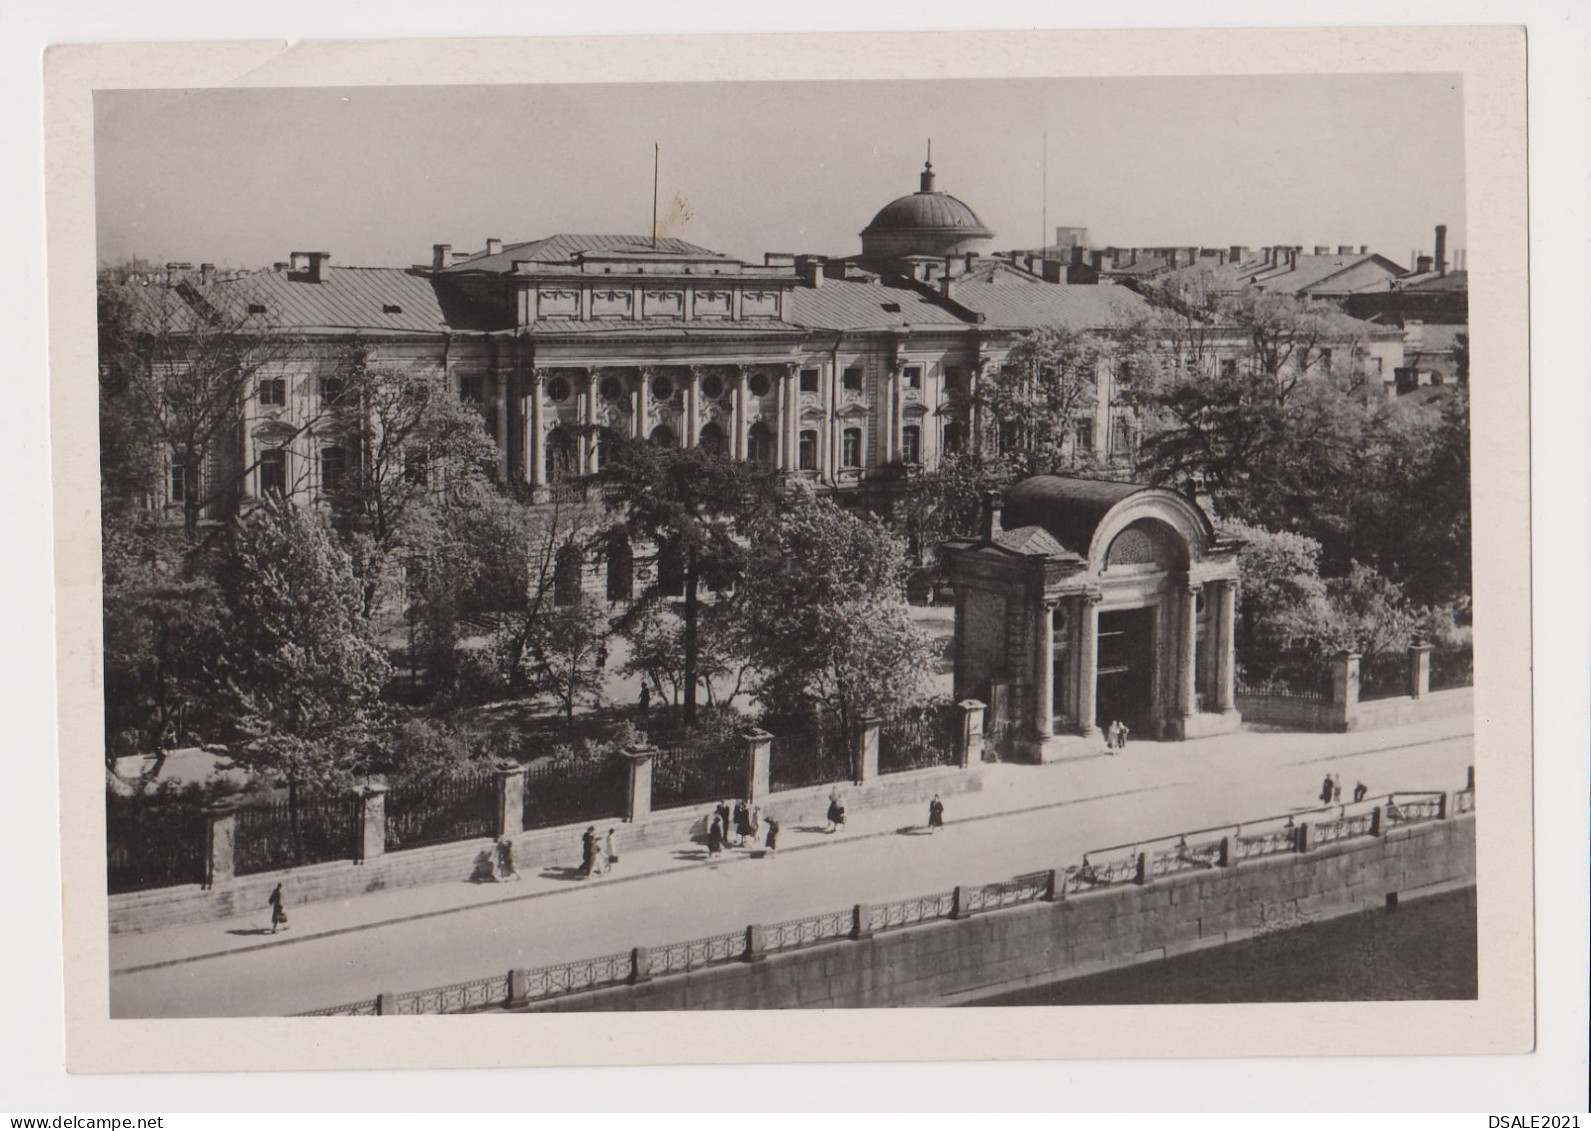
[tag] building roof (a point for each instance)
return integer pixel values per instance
(841, 304)
(661, 327)
(1069, 509)
(927, 211)
(1436, 281)
(1094, 306)
(383, 299)
(1314, 273)
(1031, 540)
(563, 247)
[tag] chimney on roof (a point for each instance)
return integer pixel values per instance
(970, 259)
(279, 267)
(494, 246)
(1322, 249)
(1441, 249)
(1133, 262)
(1077, 254)
(1345, 249)
(1236, 253)
(993, 504)
(1052, 270)
(207, 273)
(440, 255)
(318, 262)
(1364, 249)
(1098, 260)
(1422, 265)
(810, 268)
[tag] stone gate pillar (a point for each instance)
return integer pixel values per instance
(510, 799)
(969, 733)
(372, 802)
(1345, 691)
(757, 748)
(1226, 645)
(867, 749)
(638, 802)
(221, 835)
(1420, 670)
(1187, 656)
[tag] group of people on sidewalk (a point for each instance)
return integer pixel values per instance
(1116, 737)
(597, 856)
(1331, 790)
(739, 828)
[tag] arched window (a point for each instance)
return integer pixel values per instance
(607, 447)
(566, 575)
(711, 439)
(759, 445)
(664, 436)
(333, 465)
(807, 449)
(273, 472)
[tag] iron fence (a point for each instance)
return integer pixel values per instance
(1346, 826)
(302, 828)
(1030, 888)
(562, 793)
(696, 770)
(153, 843)
(365, 1008)
(1384, 675)
(1283, 675)
(1185, 857)
(573, 977)
(1265, 842)
(793, 933)
(422, 813)
(1413, 808)
(675, 958)
(1452, 667)
(808, 752)
(918, 739)
(1112, 873)
(1464, 801)
(460, 997)
(909, 912)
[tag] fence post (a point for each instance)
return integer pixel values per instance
(386, 1005)
(1055, 886)
(1345, 690)
(969, 734)
(756, 747)
(221, 838)
(1376, 821)
(1143, 876)
(958, 904)
(1224, 860)
(372, 820)
(1443, 805)
(640, 965)
(1303, 836)
(1469, 778)
(1419, 669)
(638, 801)
(861, 922)
(867, 750)
(754, 951)
(510, 799)
(518, 987)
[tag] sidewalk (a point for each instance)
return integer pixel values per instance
(1026, 818)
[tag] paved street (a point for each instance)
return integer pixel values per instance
(1026, 818)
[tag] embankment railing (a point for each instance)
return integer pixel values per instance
(1139, 863)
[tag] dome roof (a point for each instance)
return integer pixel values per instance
(927, 211)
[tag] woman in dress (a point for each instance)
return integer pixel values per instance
(278, 912)
(936, 814)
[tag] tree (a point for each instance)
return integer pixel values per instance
(690, 504)
(301, 673)
(568, 652)
(1047, 383)
(826, 616)
(413, 448)
(946, 501)
(1283, 604)
(177, 365)
(657, 650)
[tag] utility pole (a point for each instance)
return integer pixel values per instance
(654, 194)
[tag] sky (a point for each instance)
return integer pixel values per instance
(377, 175)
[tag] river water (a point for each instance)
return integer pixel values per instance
(1425, 949)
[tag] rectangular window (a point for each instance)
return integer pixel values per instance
(1325, 359)
(273, 391)
(333, 462)
(416, 467)
(853, 379)
(1376, 367)
(273, 472)
(911, 444)
(179, 484)
(331, 390)
(1085, 435)
(914, 376)
(470, 389)
(851, 448)
(807, 450)
(809, 380)
(1229, 367)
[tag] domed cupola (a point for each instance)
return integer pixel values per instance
(927, 222)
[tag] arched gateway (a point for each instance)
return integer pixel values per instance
(1084, 602)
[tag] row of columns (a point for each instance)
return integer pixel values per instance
(1085, 668)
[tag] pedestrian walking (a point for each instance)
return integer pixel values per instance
(1360, 791)
(588, 850)
(609, 857)
(836, 813)
(772, 841)
(755, 821)
(1110, 738)
(1121, 735)
(503, 866)
(278, 912)
(645, 699)
(1336, 788)
(723, 816)
(1326, 790)
(715, 838)
(742, 823)
(936, 814)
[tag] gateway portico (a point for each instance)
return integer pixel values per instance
(1084, 602)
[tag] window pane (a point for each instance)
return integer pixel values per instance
(853, 379)
(809, 380)
(809, 451)
(852, 450)
(273, 472)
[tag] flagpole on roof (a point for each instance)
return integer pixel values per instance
(1044, 207)
(654, 194)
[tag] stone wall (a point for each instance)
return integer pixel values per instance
(950, 961)
(1324, 715)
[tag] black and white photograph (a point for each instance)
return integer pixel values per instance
(848, 543)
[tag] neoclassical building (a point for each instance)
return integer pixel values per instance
(840, 370)
(1084, 602)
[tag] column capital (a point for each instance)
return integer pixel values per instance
(1091, 597)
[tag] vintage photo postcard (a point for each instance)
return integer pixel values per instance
(761, 548)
